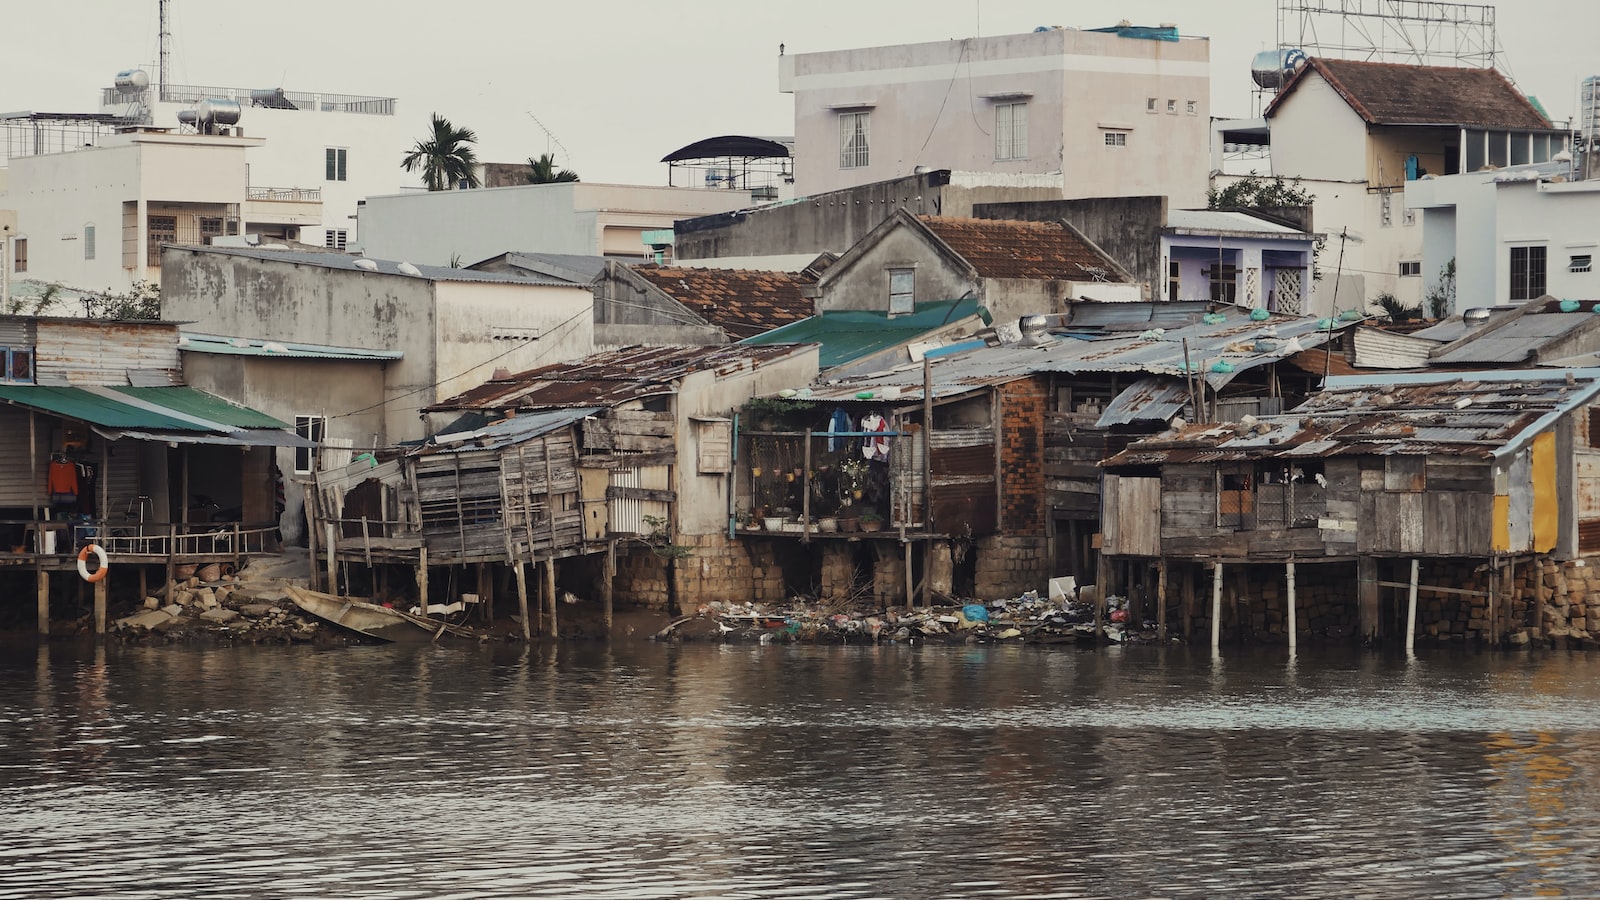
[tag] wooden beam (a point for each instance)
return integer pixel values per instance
(100, 592)
(550, 594)
(1161, 600)
(1405, 585)
(42, 583)
(1411, 609)
(607, 585)
(1216, 608)
(1294, 632)
(520, 568)
(1367, 585)
(614, 492)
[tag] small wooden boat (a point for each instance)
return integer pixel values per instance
(371, 620)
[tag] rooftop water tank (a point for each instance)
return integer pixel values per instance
(131, 81)
(1272, 69)
(217, 111)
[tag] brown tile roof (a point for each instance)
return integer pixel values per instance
(1400, 94)
(606, 379)
(741, 302)
(1000, 248)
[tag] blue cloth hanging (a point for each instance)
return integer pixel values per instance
(840, 422)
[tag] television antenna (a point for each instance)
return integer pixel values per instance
(550, 137)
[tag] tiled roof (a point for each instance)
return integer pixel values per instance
(1400, 94)
(607, 379)
(741, 302)
(999, 248)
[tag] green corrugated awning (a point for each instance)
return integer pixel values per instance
(202, 405)
(152, 409)
(850, 334)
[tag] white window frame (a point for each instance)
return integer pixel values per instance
(855, 138)
(312, 428)
(336, 238)
(1580, 263)
(336, 164)
(1011, 131)
(1114, 138)
(1411, 268)
(1525, 290)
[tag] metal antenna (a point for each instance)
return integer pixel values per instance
(550, 137)
(166, 52)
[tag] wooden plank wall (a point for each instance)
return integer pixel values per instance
(539, 484)
(1131, 516)
(1073, 449)
(963, 481)
(630, 430)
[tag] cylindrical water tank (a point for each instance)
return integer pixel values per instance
(1273, 68)
(131, 81)
(218, 111)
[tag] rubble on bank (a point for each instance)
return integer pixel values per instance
(1027, 619)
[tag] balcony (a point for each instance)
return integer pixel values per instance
(283, 206)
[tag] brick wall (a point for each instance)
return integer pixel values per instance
(732, 571)
(1022, 407)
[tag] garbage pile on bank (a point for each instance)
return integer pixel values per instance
(213, 602)
(1029, 618)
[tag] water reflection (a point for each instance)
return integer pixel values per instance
(668, 771)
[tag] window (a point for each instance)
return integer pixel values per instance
(1011, 131)
(88, 242)
(20, 263)
(1172, 107)
(1410, 216)
(18, 364)
(1527, 272)
(1224, 283)
(311, 428)
(1386, 207)
(162, 229)
(335, 164)
(1193, 107)
(1409, 268)
(852, 140)
(1150, 105)
(1173, 279)
(902, 291)
(210, 227)
(1580, 263)
(335, 239)
(1116, 138)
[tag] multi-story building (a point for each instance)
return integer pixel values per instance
(1116, 111)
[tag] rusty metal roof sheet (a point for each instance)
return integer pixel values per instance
(1516, 339)
(999, 248)
(609, 379)
(739, 301)
(1482, 415)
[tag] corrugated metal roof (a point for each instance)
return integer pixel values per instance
(150, 409)
(506, 432)
(849, 334)
(608, 379)
(1222, 220)
(80, 404)
(1430, 413)
(1153, 399)
(245, 437)
(1153, 352)
(1515, 340)
(346, 262)
(201, 405)
(194, 342)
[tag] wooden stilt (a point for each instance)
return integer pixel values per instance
(333, 562)
(172, 563)
(1102, 585)
(521, 570)
(550, 594)
(608, 583)
(311, 546)
(1187, 590)
(1294, 625)
(1411, 609)
(911, 597)
(42, 582)
(1161, 600)
(1367, 597)
(144, 584)
(1216, 608)
(422, 578)
(100, 592)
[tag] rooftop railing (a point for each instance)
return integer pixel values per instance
(269, 99)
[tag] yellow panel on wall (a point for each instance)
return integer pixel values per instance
(1502, 523)
(1546, 505)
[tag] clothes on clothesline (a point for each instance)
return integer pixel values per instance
(875, 448)
(837, 423)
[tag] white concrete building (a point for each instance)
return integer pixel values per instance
(95, 218)
(1514, 235)
(444, 228)
(1117, 111)
(1359, 133)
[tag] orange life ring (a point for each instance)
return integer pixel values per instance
(83, 563)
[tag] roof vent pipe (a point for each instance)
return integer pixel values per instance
(1476, 316)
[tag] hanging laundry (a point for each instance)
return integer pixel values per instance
(839, 422)
(876, 448)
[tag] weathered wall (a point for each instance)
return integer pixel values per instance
(1022, 408)
(865, 283)
(1008, 565)
(717, 569)
(1128, 229)
(478, 323)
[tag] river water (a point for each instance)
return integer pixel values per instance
(646, 770)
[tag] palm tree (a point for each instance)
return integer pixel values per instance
(445, 157)
(543, 170)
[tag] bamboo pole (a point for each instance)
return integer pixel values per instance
(1411, 609)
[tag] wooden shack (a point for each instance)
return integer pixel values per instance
(1363, 486)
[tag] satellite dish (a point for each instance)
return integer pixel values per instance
(408, 269)
(366, 265)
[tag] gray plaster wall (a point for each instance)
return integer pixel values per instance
(284, 301)
(1128, 229)
(836, 220)
(865, 283)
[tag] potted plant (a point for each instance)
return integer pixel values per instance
(871, 521)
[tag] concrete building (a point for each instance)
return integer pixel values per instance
(96, 217)
(1513, 235)
(453, 227)
(452, 328)
(1114, 110)
(1227, 256)
(1358, 135)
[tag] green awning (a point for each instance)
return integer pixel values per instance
(202, 405)
(147, 409)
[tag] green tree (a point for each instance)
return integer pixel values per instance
(445, 156)
(542, 170)
(142, 301)
(1256, 192)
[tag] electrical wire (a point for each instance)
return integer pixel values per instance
(954, 74)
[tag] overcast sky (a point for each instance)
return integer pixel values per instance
(620, 83)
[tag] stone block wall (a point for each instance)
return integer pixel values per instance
(1008, 565)
(716, 568)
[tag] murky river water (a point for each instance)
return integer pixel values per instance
(745, 771)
